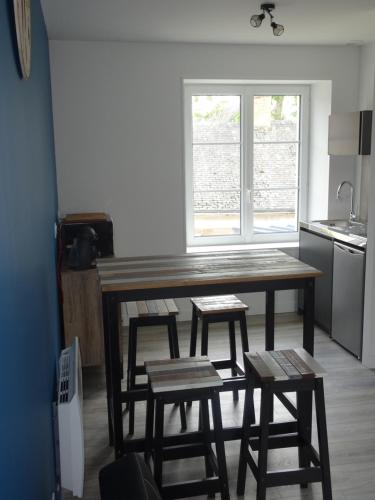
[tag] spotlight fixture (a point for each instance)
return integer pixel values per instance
(256, 19)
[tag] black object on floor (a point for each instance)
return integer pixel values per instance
(128, 478)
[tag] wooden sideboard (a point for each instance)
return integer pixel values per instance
(82, 313)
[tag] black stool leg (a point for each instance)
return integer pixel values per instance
(204, 345)
(194, 332)
(323, 439)
(171, 341)
(193, 337)
(248, 419)
(171, 337)
(175, 353)
(205, 427)
(149, 424)
(158, 442)
(304, 409)
(265, 406)
(219, 442)
(233, 353)
(244, 336)
(132, 362)
(128, 371)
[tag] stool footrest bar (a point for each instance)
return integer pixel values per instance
(191, 488)
(278, 441)
(185, 451)
(295, 476)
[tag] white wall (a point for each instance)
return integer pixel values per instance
(367, 101)
(319, 165)
(119, 125)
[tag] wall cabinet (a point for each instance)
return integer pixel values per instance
(317, 251)
(350, 133)
(82, 312)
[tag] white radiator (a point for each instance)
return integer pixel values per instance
(70, 420)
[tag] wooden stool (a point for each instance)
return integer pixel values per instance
(218, 309)
(150, 313)
(184, 379)
(278, 372)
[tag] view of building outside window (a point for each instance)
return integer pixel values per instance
(216, 165)
(217, 186)
(275, 163)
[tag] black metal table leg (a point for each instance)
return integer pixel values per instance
(132, 364)
(107, 368)
(111, 306)
(270, 330)
(270, 320)
(308, 315)
(233, 353)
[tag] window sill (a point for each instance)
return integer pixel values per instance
(247, 246)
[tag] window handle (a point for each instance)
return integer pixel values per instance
(248, 195)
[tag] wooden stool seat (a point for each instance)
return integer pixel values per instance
(220, 309)
(144, 313)
(218, 304)
(288, 364)
(182, 374)
(276, 373)
(177, 380)
(147, 308)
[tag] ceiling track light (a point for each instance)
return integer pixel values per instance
(257, 19)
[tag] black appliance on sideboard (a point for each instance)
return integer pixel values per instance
(73, 232)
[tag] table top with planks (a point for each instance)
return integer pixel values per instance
(174, 271)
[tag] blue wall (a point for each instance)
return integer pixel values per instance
(28, 303)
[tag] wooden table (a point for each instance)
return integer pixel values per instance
(188, 275)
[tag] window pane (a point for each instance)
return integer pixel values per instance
(216, 118)
(275, 166)
(275, 211)
(276, 118)
(217, 213)
(216, 166)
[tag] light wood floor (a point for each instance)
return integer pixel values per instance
(350, 404)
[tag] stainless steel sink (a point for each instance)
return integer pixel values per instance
(345, 226)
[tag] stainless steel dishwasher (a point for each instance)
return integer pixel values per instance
(347, 297)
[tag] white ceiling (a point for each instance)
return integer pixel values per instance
(217, 21)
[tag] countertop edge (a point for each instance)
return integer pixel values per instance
(355, 241)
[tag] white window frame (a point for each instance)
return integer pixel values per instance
(246, 91)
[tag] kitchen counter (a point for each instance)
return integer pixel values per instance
(337, 235)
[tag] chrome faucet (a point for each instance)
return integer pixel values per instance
(352, 215)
